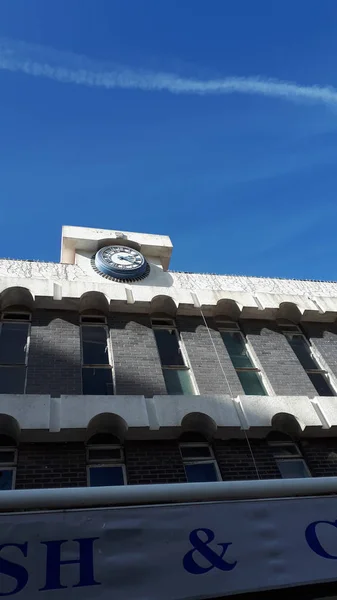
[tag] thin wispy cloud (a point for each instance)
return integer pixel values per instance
(63, 67)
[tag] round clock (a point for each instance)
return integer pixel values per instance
(120, 263)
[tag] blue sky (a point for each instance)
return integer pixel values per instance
(243, 182)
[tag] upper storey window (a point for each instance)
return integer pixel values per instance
(174, 362)
(288, 456)
(14, 342)
(301, 346)
(249, 374)
(96, 356)
(105, 461)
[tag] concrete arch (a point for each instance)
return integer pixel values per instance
(103, 439)
(163, 306)
(287, 424)
(94, 301)
(289, 311)
(16, 296)
(227, 308)
(107, 423)
(200, 423)
(10, 427)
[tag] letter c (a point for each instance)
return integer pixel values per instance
(313, 541)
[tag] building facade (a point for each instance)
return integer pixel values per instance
(115, 370)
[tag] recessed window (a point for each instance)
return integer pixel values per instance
(105, 463)
(96, 360)
(93, 319)
(289, 460)
(106, 475)
(16, 316)
(237, 348)
(199, 462)
(8, 462)
(302, 348)
(14, 337)
(173, 360)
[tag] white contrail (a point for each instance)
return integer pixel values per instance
(69, 68)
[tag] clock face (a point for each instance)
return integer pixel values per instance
(121, 262)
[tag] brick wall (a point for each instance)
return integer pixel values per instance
(320, 456)
(236, 463)
(154, 462)
(203, 358)
(324, 339)
(54, 360)
(159, 461)
(136, 359)
(51, 466)
(278, 360)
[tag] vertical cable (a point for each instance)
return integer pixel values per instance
(227, 382)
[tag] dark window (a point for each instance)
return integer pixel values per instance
(289, 460)
(291, 469)
(12, 380)
(195, 451)
(168, 347)
(201, 472)
(236, 349)
(6, 479)
(249, 375)
(105, 462)
(104, 453)
(303, 351)
(108, 475)
(176, 373)
(97, 382)
(93, 319)
(320, 383)
(12, 316)
(199, 462)
(94, 345)
(8, 459)
(13, 343)
(96, 368)
(13, 356)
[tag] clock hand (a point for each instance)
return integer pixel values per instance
(127, 258)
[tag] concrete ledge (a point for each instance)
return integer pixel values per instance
(260, 412)
(69, 418)
(210, 414)
(72, 283)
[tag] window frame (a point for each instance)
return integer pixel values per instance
(104, 324)
(199, 460)
(27, 321)
(285, 444)
(107, 466)
(295, 330)
(10, 465)
(168, 324)
(106, 463)
(104, 447)
(282, 458)
(224, 326)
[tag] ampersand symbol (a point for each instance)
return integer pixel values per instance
(214, 559)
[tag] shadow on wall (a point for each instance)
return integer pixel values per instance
(156, 278)
(55, 355)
